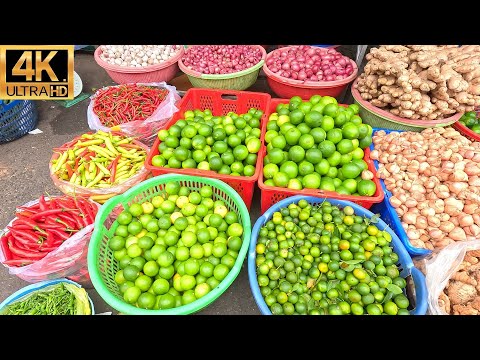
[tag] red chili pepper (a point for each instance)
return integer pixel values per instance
(48, 248)
(25, 213)
(69, 221)
(69, 170)
(25, 236)
(89, 209)
(59, 234)
(27, 221)
(49, 213)
(4, 245)
(18, 262)
(31, 255)
(42, 203)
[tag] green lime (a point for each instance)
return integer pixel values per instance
(281, 179)
(351, 170)
(366, 188)
(345, 146)
(327, 123)
(296, 153)
(292, 136)
(279, 141)
(313, 119)
(334, 135)
(327, 148)
(350, 131)
(322, 167)
(306, 141)
(318, 134)
(311, 181)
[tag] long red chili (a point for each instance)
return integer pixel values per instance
(119, 104)
(29, 222)
(18, 262)
(31, 255)
(49, 213)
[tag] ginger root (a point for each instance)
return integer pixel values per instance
(396, 78)
(461, 295)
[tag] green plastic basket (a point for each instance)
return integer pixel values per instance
(102, 266)
(379, 118)
(236, 81)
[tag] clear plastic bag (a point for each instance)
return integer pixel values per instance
(67, 261)
(144, 130)
(439, 267)
(99, 195)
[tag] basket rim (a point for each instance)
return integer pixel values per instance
(307, 84)
(466, 131)
(197, 305)
(134, 70)
(196, 74)
(407, 262)
(20, 293)
(385, 115)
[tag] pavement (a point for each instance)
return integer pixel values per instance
(24, 176)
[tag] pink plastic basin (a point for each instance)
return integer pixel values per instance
(165, 71)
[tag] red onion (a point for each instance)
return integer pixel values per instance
(223, 59)
(308, 63)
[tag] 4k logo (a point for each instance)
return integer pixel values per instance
(36, 72)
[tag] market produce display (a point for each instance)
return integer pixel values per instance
(309, 63)
(117, 105)
(138, 55)
(425, 82)
(175, 248)
(59, 299)
(461, 295)
(99, 160)
(323, 259)
(318, 144)
(221, 59)
(225, 144)
(470, 119)
(434, 179)
(41, 228)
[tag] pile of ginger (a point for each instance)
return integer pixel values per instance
(461, 296)
(426, 82)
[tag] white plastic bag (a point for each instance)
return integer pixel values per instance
(144, 130)
(440, 267)
(67, 261)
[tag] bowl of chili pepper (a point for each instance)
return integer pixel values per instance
(139, 110)
(98, 165)
(48, 238)
(165, 71)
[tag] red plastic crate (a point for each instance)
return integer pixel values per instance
(270, 195)
(221, 103)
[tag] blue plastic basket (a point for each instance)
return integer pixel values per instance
(17, 119)
(37, 286)
(390, 216)
(405, 261)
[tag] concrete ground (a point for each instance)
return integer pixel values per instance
(24, 176)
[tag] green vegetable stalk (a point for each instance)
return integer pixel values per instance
(58, 299)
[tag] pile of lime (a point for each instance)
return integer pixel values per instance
(470, 120)
(317, 144)
(324, 260)
(175, 248)
(227, 144)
